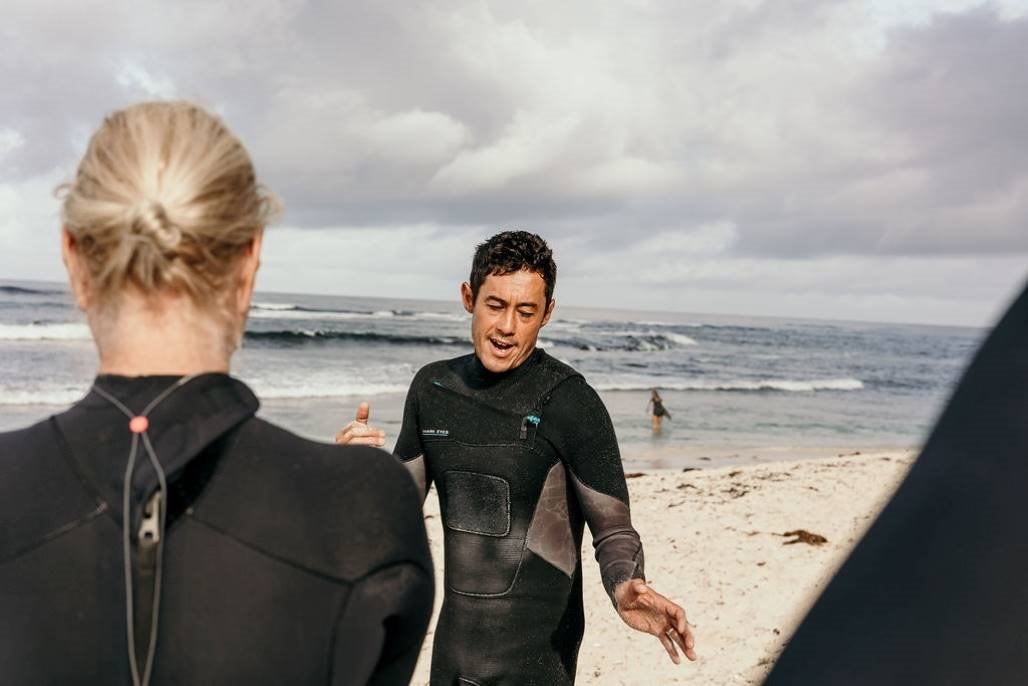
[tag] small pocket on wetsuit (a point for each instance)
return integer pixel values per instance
(477, 503)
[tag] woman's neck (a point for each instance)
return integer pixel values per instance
(161, 335)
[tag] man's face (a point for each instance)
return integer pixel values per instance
(506, 317)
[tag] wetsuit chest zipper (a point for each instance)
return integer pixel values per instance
(149, 534)
(148, 538)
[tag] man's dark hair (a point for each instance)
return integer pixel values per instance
(511, 251)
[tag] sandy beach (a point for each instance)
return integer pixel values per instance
(714, 543)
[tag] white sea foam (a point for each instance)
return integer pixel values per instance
(271, 391)
(306, 315)
(272, 306)
(51, 396)
(264, 390)
(813, 385)
(675, 338)
(44, 332)
(339, 380)
(679, 338)
(786, 385)
(292, 313)
(442, 316)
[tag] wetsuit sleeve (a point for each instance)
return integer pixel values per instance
(580, 428)
(381, 623)
(408, 445)
(396, 604)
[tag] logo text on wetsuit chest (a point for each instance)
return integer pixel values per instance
(435, 433)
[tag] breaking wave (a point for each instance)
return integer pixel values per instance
(291, 311)
(629, 342)
(300, 336)
(44, 332)
(783, 385)
(19, 290)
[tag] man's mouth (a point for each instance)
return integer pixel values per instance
(500, 347)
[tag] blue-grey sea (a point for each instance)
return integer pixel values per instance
(734, 385)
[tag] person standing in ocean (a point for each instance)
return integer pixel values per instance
(523, 454)
(659, 411)
(158, 531)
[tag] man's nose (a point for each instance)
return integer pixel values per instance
(507, 323)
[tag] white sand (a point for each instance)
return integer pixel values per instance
(712, 545)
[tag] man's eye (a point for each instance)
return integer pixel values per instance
(526, 315)
(495, 308)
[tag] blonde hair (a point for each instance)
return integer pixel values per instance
(164, 199)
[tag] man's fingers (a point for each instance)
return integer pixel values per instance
(669, 646)
(372, 433)
(680, 624)
(358, 429)
(688, 642)
(685, 641)
(375, 439)
(363, 413)
(367, 440)
(356, 433)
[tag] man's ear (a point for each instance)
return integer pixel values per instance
(249, 263)
(467, 297)
(78, 276)
(549, 313)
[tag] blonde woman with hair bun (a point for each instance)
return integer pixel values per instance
(162, 229)
(158, 532)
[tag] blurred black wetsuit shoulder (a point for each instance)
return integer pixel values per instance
(935, 593)
(285, 561)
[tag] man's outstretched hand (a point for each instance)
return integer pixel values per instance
(645, 610)
(358, 432)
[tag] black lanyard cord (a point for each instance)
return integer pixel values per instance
(139, 426)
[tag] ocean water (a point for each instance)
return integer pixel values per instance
(733, 384)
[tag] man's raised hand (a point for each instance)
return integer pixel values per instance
(645, 610)
(358, 432)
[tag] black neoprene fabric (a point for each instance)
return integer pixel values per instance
(534, 447)
(935, 593)
(286, 561)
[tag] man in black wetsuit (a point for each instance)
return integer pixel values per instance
(523, 454)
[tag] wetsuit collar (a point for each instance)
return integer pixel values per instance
(481, 378)
(181, 427)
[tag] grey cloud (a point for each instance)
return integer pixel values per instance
(569, 118)
(942, 112)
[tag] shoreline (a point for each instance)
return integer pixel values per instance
(714, 544)
(319, 418)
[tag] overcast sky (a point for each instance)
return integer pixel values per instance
(843, 159)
